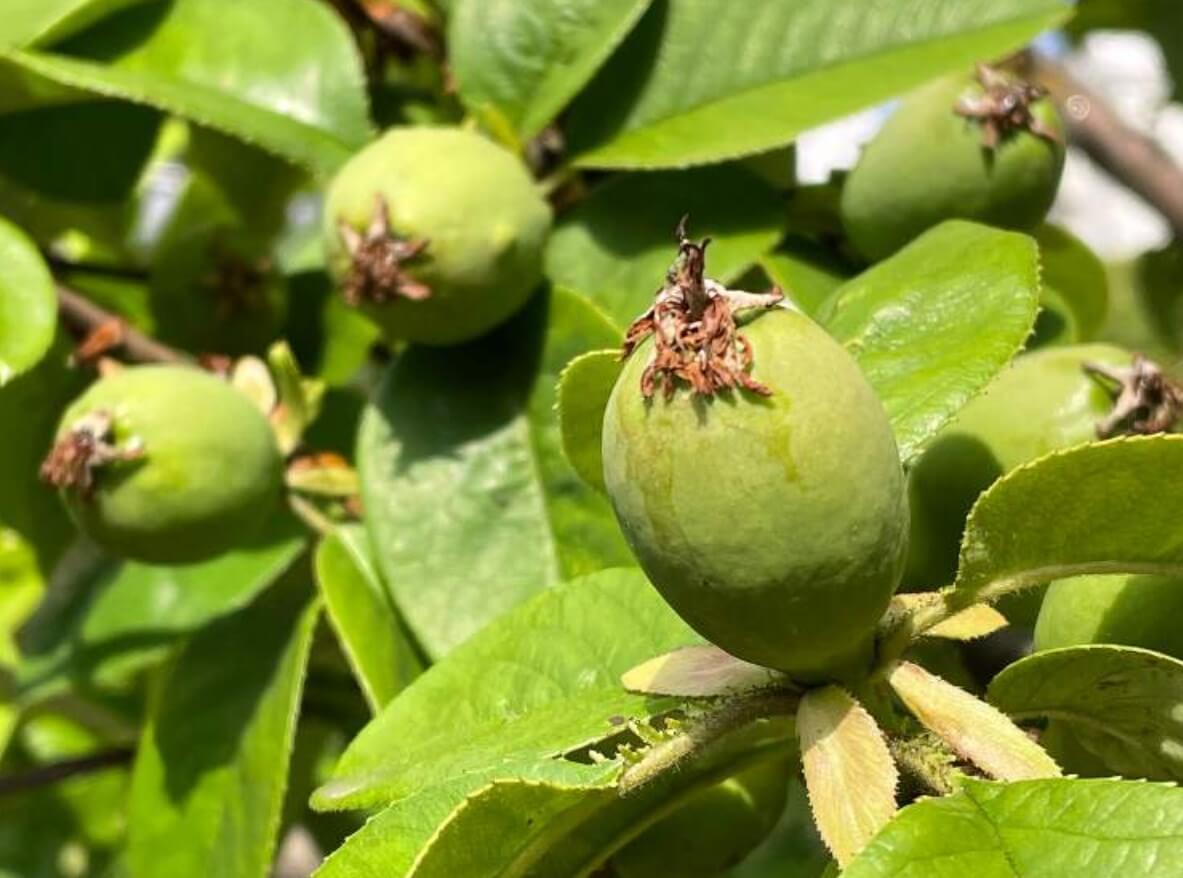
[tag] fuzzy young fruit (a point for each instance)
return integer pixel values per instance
(166, 464)
(437, 233)
(933, 161)
(774, 525)
(1129, 610)
(714, 830)
(1043, 403)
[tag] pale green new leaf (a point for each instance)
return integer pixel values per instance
(294, 89)
(1121, 703)
(536, 683)
(1096, 508)
(701, 81)
(211, 769)
(1082, 828)
(584, 388)
(518, 64)
(932, 325)
(470, 504)
(616, 245)
(28, 303)
(368, 629)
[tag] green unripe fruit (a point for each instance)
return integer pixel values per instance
(1043, 403)
(713, 831)
(1129, 610)
(775, 526)
(194, 470)
(928, 164)
(463, 224)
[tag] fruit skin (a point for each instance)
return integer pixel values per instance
(1042, 403)
(210, 475)
(776, 526)
(1128, 609)
(483, 217)
(928, 164)
(713, 830)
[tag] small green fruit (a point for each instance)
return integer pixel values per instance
(713, 831)
(436, 232)
(1043, 403)
(775, 526)
(1129, 610)
(166, 464)
(929, 164)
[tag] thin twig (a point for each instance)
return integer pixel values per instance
(1131, 157)
(46, 775)
(84, 317)
(95, 269)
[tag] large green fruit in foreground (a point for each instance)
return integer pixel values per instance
(928, 165)
(209, 475)
(712, 831)
(472, 205)
(775, 526)
(1129, 609)
(1043, 403)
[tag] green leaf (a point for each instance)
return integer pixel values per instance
(700, 671)
(808, 272)
(615, 246)
(367, 627)
(522, 62)
(538, 682)
(41, 21)
(1076, 276)
(584, 388)
(210, 773)
(28, 304)
(932, 325)
(1082, 828)
(109, 620)
(701, 81)
(230, 66)
(1096, 508)
(1121, 703)
(470, 505)
(21, 587)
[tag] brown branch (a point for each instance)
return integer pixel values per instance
(85, 317)
(1129, 156)
(59, 771)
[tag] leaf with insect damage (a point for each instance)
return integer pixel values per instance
(701, 671)
(973, 729)
(849, 771)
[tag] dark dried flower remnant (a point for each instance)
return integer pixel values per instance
(692, 322)
(81, 451)
(377, 271)
(1146, 401)
(1005, 107)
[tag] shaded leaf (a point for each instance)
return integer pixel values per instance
(933, 324)
(1109, 517)
(776, 70)
(28, 304)
(700, 671)
(470, 505)
(584, 388)
(1083, 828)
(40, 21)
(972, 728)
(808, 272)
(538, 682)
(368, 629)
(211, 769)
(615, 246)
(1121, 703)
(849, 772)
(226, 65)
(518, 64)
(1076, 276)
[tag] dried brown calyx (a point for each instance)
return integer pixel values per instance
(695, 337)
(237, 284)
(378, 258)
(82, 450)
(1146, 401)
(1004, 107)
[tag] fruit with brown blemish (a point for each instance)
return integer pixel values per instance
(436, 233)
